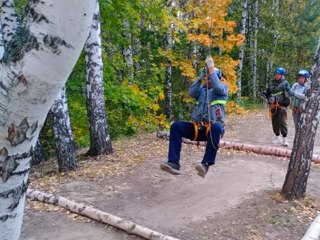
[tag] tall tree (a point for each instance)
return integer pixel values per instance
(100, 140)
(37, 61)
(295, 184)
(65, 145)
(127, 51)
(168, 76)
(255, 49)
(242, 47)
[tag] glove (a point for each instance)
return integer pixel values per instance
(283, 109)
(291, 93)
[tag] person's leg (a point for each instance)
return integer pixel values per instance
(178, 131)
(283, 123)
(212, 147)
(275, 121)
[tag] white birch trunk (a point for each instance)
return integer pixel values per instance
(255, 49)
(8, 19)
(1, 42)
(242, 47)
(100, 141)
(51, 40)
(61, 125)
(127, 51)
(295, 184)
(168, 76)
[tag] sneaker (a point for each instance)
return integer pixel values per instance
(285, 142)
(277, 140)
(202, 169)
(171, 168)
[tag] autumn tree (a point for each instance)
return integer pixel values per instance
(36, 63)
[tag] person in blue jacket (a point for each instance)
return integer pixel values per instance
(207, 124)
(298, 95)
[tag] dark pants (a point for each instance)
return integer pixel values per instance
(279, 122)
(181, 130)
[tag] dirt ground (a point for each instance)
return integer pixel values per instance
(238, 199)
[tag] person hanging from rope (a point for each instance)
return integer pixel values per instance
(298, 94)
(278, 98)
(207, 124)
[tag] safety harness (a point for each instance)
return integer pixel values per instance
(206, 125)
(275, 105)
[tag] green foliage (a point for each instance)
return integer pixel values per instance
(132, 109)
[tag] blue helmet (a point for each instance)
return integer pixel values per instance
(218, 72)
(281, 71)
(303, 73)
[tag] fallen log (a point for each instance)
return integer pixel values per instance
(98, 215)
(263, 150)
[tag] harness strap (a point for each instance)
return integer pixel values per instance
(196, 129)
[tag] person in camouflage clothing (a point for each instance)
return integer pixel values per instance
(278, 97)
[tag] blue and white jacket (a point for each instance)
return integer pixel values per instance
(214, 97)
(299, 91)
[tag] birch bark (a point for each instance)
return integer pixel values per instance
(37, 61)
(241, 53)
(295, 184)
(100, 141)
(65, 145)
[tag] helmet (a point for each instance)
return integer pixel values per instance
(303, 73)
(281, 71)
(218, 72)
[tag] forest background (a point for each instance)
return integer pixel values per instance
(152, 50)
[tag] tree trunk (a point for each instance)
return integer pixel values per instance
(98, 215)
(100, 141)
(61, 126)
(241, 53)
(127, 51)
(8, 20)
(168, 76)
(295, 184)
(37, 62)
(37, 154)
(255, 50)
(1, 42)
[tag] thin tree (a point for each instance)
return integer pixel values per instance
(242, 47)
(127, 51)
(100, 140)
(255, 49)
(168, 76)
(295, 184)
(36, 63)
(61, 125)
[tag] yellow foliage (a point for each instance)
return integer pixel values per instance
(155, 107)
(161, 95)
(233, 107)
